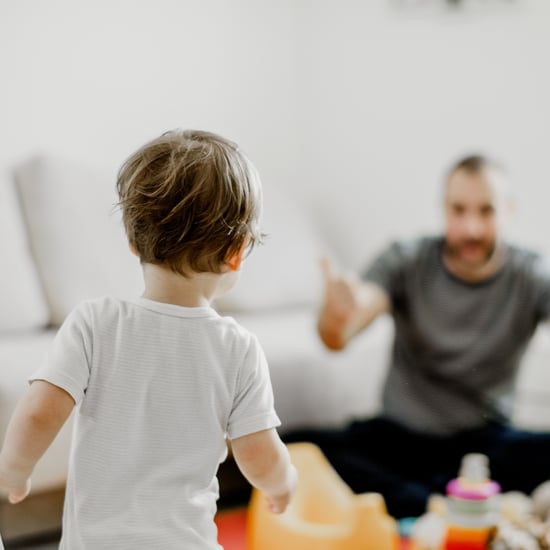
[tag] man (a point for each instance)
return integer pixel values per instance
(465, 307)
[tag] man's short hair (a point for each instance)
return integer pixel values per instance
(189, 200)
(474, 164)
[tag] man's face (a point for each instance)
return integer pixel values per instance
(474, 206)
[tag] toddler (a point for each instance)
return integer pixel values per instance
(161, 382)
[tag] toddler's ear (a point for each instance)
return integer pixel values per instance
(133, 250)
(234, 261)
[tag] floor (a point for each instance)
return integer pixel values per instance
(231, 531)
(51, 546)
(35, 519)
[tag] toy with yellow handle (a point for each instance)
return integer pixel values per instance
(324, 513)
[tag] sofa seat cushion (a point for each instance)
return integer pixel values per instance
(313, 386)
(532, 407)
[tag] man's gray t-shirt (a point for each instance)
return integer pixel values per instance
(457, 344)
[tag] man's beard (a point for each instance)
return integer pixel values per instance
(456, 250)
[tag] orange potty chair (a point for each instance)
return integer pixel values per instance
(324, 513)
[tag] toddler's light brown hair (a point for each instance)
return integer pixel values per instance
(190, 199)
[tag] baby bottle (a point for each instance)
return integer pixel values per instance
(472, 505)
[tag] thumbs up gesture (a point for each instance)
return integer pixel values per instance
(340, 306)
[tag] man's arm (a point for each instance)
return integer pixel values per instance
(349, 306)
(265, 462)
(37, 419)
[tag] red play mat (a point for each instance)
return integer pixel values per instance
(232, 529)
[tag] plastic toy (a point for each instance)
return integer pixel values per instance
(324, 513)
(473, 511)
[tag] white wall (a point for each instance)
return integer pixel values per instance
(353, 105)
(96, 79)
(394, 96)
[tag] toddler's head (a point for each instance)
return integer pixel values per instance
(190, 200)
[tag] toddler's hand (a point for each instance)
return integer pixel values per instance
(17, 489)
(278, 504)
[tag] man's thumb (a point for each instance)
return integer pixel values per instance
(327, 269)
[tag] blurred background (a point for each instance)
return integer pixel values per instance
(354, 107)
(352, 110)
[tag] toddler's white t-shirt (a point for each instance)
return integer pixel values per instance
(159, 388)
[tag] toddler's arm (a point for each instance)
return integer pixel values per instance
(264, 461)
(37, 419)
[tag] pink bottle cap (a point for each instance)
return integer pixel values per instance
(472, 491)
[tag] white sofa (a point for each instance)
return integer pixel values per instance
(61, 242)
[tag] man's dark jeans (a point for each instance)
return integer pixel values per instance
(406, 467)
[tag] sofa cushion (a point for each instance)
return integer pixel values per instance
(284, 271)
(532, 406)
(315, 387)
(22, 303)
(76, 235)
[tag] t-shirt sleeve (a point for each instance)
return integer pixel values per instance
(68, 362)
(253, 408)
(541, 274)
(387, 269)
